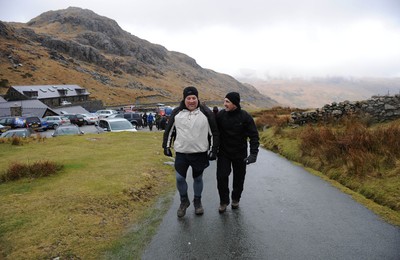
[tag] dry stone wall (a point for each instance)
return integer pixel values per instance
(378, 108)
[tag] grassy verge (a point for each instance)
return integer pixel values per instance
(369, 175)
(102, 204)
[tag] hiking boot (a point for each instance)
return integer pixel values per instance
(198, 208)
(222, 208)
(235, 204)
(185, 203)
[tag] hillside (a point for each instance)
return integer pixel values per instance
(77, 46)
(316, 92)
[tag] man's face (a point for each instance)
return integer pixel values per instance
(229, 106)
(191, 102)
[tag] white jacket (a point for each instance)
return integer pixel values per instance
(192, 131)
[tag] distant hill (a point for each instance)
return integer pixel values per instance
(316, 92)
(77, 46)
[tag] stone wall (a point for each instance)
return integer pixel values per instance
(378, 109)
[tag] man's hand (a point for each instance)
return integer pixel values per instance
(212, 156)
(251, 159)
(167, 152)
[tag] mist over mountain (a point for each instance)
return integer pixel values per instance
(78, 46)
(316, 92)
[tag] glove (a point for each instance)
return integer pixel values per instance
(251, 159)
(212, 155)
(167, 152)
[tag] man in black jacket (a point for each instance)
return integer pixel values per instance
(235, 126)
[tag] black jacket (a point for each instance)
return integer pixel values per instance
(235, 128)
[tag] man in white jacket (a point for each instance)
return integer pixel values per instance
(193, 131)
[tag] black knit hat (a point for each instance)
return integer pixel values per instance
(234, 97)
(190, 91)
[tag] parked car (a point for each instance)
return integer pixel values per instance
(119, 115)
(13, 121)
(116, 125)
(33, 122)
(67, 130)
(54, 121)
(135, 119)
(76, 119)
(4, 128)
(44, 124)
(90, 119)
(105, 113)
(20, 132)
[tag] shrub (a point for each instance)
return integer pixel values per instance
(4, 83)
(35, 170)
(355, 146)
(16, 140)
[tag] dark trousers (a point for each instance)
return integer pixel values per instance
(224, 167)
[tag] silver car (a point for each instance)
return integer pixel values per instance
(20, 132)
(116, 125)
(55, 121)
(90, 119)
(67, 130)
(105, 113)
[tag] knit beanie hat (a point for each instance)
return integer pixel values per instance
(190, 91)
(234, 97)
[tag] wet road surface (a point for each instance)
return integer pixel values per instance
(285, 213)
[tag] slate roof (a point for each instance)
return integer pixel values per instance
(2, 100)
(71, 110)
(29, 108)
(53, 91)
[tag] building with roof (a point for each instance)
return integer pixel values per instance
(71, 110)
(28, 108)
(50, 95)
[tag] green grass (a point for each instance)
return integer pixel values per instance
(109, 186)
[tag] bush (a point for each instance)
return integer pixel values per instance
(37, 169)
(16, 140)
(354, 145)
(4, 83)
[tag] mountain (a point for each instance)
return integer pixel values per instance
(78, 46)
(317, 92)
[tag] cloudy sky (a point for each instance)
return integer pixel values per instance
(264, 38)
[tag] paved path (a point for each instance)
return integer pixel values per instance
(285, 213)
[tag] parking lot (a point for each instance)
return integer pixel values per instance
(87, 129)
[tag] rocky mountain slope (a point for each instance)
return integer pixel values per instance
(77, 46)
